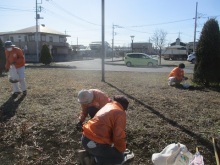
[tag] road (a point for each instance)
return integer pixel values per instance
(118, 65)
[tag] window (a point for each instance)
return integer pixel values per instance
(43, 38)
(143, 56)
(19, 38)
(31, 37)
(62, 39)
(133, 55)
(50, 39)
(12, 39)
(25, 38)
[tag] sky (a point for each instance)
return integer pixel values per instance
(82, 19)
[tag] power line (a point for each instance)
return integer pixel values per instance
(163, 23)
(61, 8)
(15, 9)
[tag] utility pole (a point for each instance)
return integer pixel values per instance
(38, 9)
(103, 40)
(36, 38)
(194, 42)
(113, 34)
(77, 43)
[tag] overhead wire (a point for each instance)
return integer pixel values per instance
(130, 28)
(125, 27)
(15, 9)
(79, 18)
(163, 23)
(84, 20)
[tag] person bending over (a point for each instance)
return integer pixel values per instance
(15, 56)
(91, 100)
(104, 135)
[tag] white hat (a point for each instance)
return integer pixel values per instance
(85, 96)
(8, 44)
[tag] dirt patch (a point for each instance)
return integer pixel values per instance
(40, 128)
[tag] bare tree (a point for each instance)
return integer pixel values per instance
(159, 41)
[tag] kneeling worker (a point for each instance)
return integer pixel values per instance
(106, 132)
(176, 76)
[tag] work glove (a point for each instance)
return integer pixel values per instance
(79, 126)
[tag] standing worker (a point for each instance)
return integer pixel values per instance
(91, 101)
(15, 56)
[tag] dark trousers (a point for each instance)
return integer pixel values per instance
(92, 111)
(103, 153)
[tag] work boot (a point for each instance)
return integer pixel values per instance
(128, 156)
(25, 93)
(80, 155)
(84, 158)
(15, 94)
(89, 160)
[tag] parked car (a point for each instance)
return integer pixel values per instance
(139, 59)
(191, 58)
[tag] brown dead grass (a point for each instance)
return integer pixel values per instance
(39, 128)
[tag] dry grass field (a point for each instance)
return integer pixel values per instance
(39, 129)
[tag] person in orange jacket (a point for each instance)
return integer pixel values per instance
(15, 56)
(104, 135)
(91, 101)
(176, 76)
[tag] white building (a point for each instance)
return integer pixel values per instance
(26, 40)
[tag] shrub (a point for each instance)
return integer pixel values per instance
(207, 66)
(46, 57)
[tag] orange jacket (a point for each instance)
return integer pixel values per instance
(108, 126)
(99, 101)
(16, 55)
(177, 73)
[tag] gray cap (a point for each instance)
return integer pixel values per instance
(85, 96)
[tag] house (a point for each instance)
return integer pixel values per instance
(142, 47)
(190, 47)
(177, 51)
(98, 45)
(26, 40)
(96, 48)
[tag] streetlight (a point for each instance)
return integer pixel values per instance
(132, 39)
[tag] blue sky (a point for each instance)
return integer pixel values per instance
(82, 18)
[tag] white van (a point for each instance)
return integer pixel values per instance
(192, 58)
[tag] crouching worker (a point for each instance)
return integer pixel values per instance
(104, 135)
(176, 76)
(91, 101)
